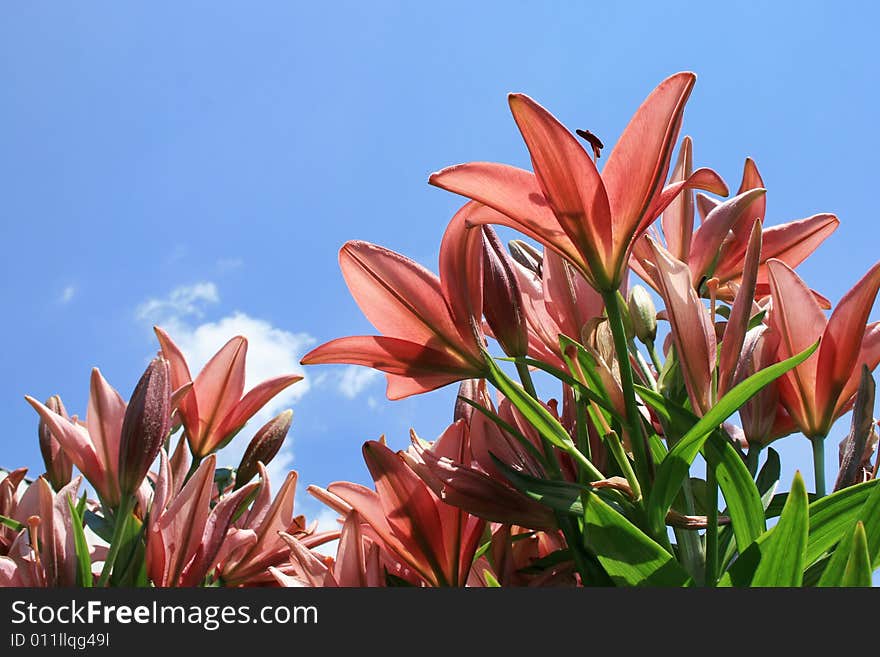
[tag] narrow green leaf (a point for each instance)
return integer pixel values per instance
(858, 566)
(14, 525)
(744, 505)
(675, 466)
(490, 580)
(81, 547)
(768, 477)
(833, 516)
(629, 556)
(560, 496)
(869, 518)
(783, 553)
(568, 379)
(102, 527)
(533, 411)
(555, 558)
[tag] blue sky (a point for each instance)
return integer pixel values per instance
(199, 164)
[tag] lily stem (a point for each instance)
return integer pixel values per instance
(819, 463)
(641, 453)
(123, 516)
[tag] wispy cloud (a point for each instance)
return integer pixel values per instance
(355, 379)
(184, 301)
(272, 351)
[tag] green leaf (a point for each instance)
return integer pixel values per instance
(768, 477)
(832, 517)
(783, 553)
(629, 556)
(674, 469)
(102, 527)
(676, 419)
(778, 557)
(490, 580)
(14, 525)
(568, 379)
(744, 505)
(869, 518)
(555, 558)
(560, 496)
(533, 411)
(81, 547)
(858, 566)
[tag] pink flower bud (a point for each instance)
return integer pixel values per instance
(146, 425)
(263, 447)
(502, 302)
(59, 467)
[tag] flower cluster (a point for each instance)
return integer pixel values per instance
(601, 449)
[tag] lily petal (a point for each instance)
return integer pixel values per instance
(415, 367)
(515, 194)
(569, 180)
(639, 162)
(797, 318)
(842, 341)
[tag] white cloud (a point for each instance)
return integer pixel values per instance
(271, 352)
(67, 294)
(184, 301)
(355, 379)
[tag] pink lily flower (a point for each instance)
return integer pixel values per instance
(94, 446)
(717, 247)
(820, 389)
(435, 539)
(216, 410)
(8, 504)
(43, 554)
(591, 219)
(184, 533)
(357, 562)
(764, 418)
(692, 329)
(431, 335)
(255, 541)
(458, 468)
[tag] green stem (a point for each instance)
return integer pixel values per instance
(711, 526)
(689, 544)
(566, 525)
(655, 359)
(819, 463)
(583, 433)
(641, 453)
(644, 368)
(123, 516)
(192, 469)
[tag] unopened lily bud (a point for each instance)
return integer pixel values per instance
(59, 467)
(263, 447)
(467, 389)
(643, 314)
(146, 425)
(526, 255)
(502, 301)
